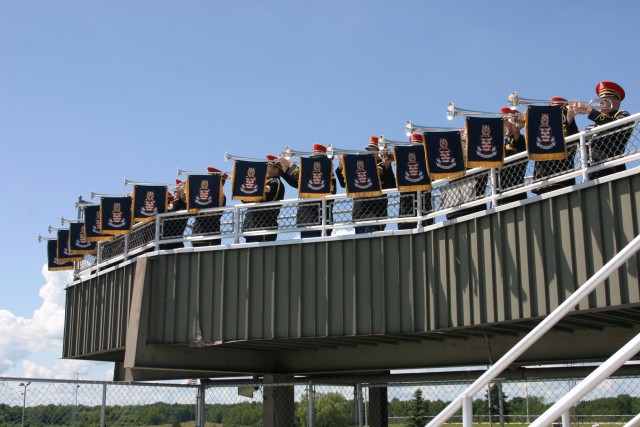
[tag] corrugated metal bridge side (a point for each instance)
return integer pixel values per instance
(458, 294)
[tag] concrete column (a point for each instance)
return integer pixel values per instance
(378, 407)
(278, 405)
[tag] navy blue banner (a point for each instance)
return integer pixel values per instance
(92, 224)
(204, 192)
(544, 132)
(445, 157)
(412, 173)
(78, 242)
(149, 201)
(63, 252)
(53, 263)
(115, 215)
(315, 177)
(485, 142)
(249, 180)
(361, 175)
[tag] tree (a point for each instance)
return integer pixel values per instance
(497, 402)
(418, 410)
(330, 410)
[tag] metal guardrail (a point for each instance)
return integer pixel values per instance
(519, 179)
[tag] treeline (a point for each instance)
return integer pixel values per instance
(614, 409)
(330, 410)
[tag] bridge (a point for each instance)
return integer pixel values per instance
(459, 288)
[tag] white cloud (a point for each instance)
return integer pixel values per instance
(20, 337)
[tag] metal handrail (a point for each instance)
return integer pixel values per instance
(439, 191)
(532, 337)
(603, 372)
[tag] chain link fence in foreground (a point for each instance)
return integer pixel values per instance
(40, 402)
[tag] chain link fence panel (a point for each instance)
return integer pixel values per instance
(256, 403)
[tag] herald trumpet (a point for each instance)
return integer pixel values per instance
(94, 195)
(287, 153)
(50, 229)
(129, 182)
(331, 151)
(514, 100)
(228, 157)
(41, 238)
(385, 143)
(452, 111)
(64, 221)
(186, 172)
(82, 203)
(410, 128)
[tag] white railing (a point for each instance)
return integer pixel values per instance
(472, 194)
(464, 399)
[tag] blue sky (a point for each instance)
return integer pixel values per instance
(95, 91)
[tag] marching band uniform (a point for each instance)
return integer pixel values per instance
(409, 200)
(613, 144)
(366, 207)
(546, 168)
(210, 223)
(309, 213)
(175, 228)
(261, 218)
(513, 175)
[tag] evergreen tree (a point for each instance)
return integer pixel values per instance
(494, 402)
(417, 410)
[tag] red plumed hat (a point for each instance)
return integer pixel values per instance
(606, 88)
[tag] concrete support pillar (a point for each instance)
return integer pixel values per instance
(378, 407)
(278, 405)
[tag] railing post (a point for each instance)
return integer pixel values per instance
(467, 411)
(310, 393)
(323, 216)
(200, 406)
(156, 246)
(103, 407)
(99, 257)
(566, 419)
(420, 211)
(125, 253)
(236, 224)
(493, 181)
(584, 159)
(357, 395)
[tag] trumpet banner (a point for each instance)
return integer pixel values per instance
(545, 129)
(116, 215)
(412, 173)
(149, 201)
(248, 181)
(204, 192)
(445, 157)
(92, 224)
(315, 177)
(53, 263)
(78, 243)
(361, 175)
(485, 142)
(63, 252)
